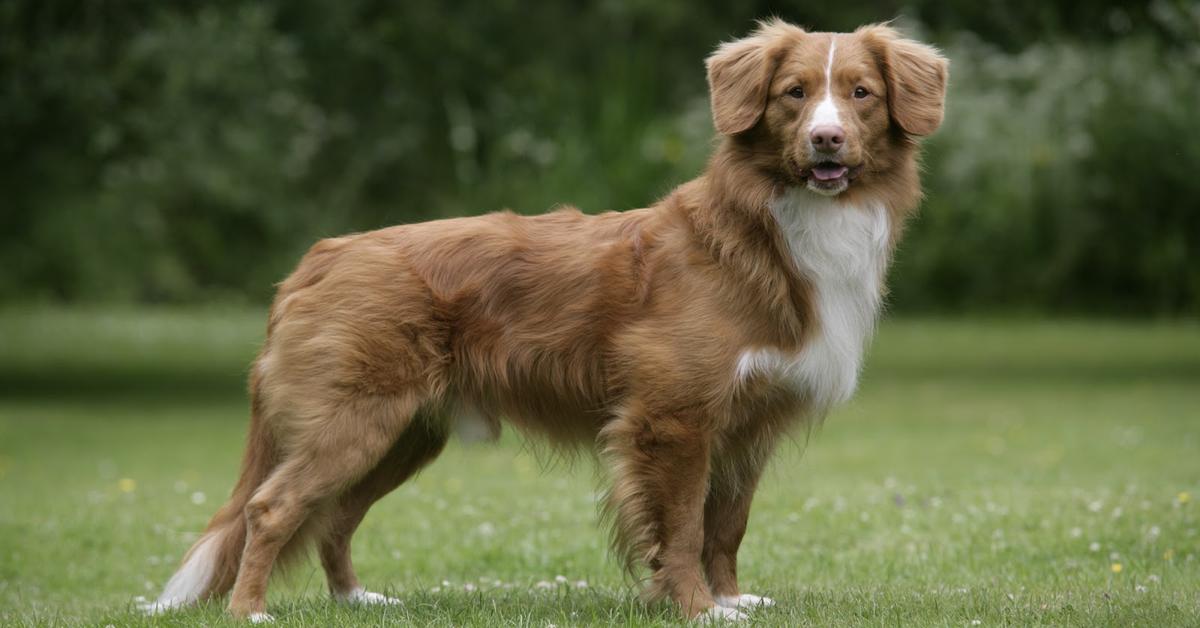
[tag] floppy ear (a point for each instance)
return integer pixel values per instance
(739, 74)
(916, 76)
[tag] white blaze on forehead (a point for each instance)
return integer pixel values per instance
(827, 111)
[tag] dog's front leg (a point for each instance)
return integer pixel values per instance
(726, 512)
(660, 466)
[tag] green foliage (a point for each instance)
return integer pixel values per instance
(1065, 177)
(190, 152)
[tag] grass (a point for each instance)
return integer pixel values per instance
(999, 472)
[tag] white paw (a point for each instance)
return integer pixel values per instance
(720, 614)
(260, 618)
(744, 600)
(362, 596)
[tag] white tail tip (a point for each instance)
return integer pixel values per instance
(185, 587)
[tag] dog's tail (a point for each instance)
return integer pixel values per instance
(210, 567)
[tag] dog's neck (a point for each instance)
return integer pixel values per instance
(732, 209)
(743, 178)
(733, 197)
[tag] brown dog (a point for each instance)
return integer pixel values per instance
(682, 339)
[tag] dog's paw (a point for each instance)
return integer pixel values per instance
(362, 596)
(721, 614)
(260, 618)
(744, 600)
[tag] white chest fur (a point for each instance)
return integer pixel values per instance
(843, 251)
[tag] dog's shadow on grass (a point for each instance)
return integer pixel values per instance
(486, 607)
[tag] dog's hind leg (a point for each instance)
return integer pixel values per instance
(417, 447)
(322, 460)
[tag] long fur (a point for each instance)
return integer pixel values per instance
(210, 566)
(682, 340)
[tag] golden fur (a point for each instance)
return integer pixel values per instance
(620, 329)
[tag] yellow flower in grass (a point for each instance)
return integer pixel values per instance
(1169, 554)
(1183, 497)
(126, 485)
(1117, 567)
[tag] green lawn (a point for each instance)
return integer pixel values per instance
(1005, 473)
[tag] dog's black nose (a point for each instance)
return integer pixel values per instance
(827, 138)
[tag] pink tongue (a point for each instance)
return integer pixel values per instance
(828, 173)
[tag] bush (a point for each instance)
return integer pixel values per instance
(167, 152)
(1064, 178)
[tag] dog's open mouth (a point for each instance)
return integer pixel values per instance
(829, 176)
(829, 171)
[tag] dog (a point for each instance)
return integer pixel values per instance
(680, 340)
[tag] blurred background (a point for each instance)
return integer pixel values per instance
(1026, 441)
(188, 152)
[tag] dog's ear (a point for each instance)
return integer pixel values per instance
(916, 76)
(739, 75)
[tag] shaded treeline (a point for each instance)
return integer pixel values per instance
(188, 152)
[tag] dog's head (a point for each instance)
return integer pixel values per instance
(827, 110)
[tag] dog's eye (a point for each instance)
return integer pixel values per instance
(861, 92)
(796, 92)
